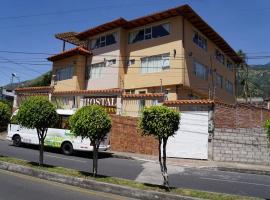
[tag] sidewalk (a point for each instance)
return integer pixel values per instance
(3, 135)
(201, 164)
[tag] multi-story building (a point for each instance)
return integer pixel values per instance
(168, 55)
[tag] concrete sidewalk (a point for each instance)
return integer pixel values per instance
(200, 164)
(3, 135)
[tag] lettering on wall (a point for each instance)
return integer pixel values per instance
(108, 102)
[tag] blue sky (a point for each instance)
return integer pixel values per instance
(244, 24)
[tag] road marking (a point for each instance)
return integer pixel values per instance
(258, 184)
(67, 187)
(72, 159)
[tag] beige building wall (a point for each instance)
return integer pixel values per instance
(77, 81)
(110, 73)
(207, 58)
(167, 44)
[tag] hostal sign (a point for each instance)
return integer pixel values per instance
(108, 102)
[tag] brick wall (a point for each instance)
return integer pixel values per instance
(125, 137)
(239, 116)
(247, 145)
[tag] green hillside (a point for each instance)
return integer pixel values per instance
(43, 80)
(259, 81)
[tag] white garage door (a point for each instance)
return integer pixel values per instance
(191, 139)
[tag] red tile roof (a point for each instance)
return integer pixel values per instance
(102, 28)
(189, 102)
(71, 38)
(86, 92)
(68, 53)
(34, 89)
(147, 95)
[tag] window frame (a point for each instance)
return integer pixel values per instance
(162, 68)
(220, 56)
(93, 41)
(90, 67)
(64, 70)
(206, 70)
(150, 33)
(200, 38)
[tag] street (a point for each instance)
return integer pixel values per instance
(143, 171)
(31, 188)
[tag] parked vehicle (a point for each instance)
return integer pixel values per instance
(58, 137)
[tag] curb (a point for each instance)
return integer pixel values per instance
(91, 184)
(247, 171)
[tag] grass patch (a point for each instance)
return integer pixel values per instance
(125, 182)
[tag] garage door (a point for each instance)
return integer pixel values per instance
(191, 139)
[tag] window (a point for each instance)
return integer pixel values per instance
(149, 33)
(156, 63)
(200, 70)
(229, 86)
(64, 73)
(220, 57)
(130, 62)
(130, 91)
(219, 80)
(103, 41)
(229, 65)
(95, 70)
(199, 40)
(111, 62)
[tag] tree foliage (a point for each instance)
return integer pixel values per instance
(267, 127)
(94, 123)
(5, 114)
(40, 114)
(160, 122)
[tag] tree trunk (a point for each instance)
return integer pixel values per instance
(41, 150)
(95, 159)
(165, 174)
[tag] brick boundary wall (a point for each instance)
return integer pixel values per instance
(125, 137)
(240, 116)
(246, 145)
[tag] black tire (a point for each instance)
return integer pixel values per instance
(17, 140)
(67, 148)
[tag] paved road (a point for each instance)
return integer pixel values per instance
(210, 180)
(16, 186)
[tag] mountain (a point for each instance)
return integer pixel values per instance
(43, 80)
(259, 81)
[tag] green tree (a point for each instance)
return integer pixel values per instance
(5, 114)
(162, 123)
(40, 114)
(94, 123)
(267, 127)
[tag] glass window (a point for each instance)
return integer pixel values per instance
(149, 33)
(64, 73)
(156, 63)
(103, 41)
(220, 57)
(229, 86)
(95, 70)
(229, 65)
(161, 30)
(199, 40)
(219, 80)
(200, 70)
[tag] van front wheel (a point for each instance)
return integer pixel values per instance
(67, 148)
(17, 140)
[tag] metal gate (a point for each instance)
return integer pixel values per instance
(191, 139)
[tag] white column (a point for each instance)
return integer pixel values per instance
(119, 105)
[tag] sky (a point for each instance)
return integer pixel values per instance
(29, 26)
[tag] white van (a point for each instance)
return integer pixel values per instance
(59, 137)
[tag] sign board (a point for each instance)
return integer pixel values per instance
(109, 102)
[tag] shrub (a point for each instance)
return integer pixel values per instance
(91, 122)
(160, 122)
(40, 114)
(267, 127)
(5, 114)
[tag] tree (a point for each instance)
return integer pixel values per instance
(267, 127)
(40, 114)
(5, 113)
(94, 123)
(162, 123)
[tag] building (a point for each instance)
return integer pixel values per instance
(126, 65)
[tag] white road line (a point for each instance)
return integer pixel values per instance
(214, 179)
(82, 161)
